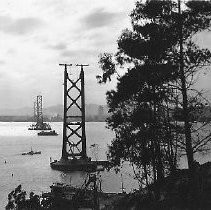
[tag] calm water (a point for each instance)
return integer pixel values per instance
(34, 172)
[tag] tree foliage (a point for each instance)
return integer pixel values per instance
(149, 91)
(17, 199)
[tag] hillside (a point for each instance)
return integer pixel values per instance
(94, 112)
(91, 110)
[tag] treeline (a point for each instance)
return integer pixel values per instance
(157, 64)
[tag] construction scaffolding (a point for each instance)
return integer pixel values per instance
(38, 116)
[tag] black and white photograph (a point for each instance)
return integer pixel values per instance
(105, 105)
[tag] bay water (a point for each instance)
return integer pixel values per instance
(34, 173)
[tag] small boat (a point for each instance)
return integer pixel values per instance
(47, 133)
(32, 152)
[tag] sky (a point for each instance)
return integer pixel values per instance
(37, 35)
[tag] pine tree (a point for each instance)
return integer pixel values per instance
(160, 56)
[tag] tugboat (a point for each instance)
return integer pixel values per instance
(32, 153)
(48, 133)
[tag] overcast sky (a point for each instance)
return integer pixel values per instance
(37, 35)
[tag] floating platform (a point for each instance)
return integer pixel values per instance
(48, 133)
(44, 126)
(79, 165)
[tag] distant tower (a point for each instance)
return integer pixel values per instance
(35, 111)
(39, 114)
(100, 110)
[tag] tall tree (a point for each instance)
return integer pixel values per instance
(160, 56)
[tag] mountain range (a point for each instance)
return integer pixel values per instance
(91, 110)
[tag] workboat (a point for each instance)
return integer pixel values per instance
(47, 133)
(32, 152)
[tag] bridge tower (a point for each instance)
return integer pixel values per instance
(74, 154)
(38, 116)
(74, 136)
(35, 111)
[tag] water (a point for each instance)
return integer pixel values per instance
(34, 172)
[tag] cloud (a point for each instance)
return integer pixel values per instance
(78, 53)
(59, 46)
(2, 62)
(99, 18)
(19, 26)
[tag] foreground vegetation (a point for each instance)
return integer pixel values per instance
(159, 64)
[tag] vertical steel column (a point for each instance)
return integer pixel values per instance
(35, 111)
(64, 151)
(84, 155)
(39, 112)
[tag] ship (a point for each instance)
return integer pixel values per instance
(48, 133)
(32, 152)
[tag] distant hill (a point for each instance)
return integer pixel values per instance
(25, 111)
(91, 110)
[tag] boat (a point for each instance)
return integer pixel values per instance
(32, 152)
(48, 133)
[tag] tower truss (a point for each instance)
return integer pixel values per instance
(74, 155)
(35, 111)
(74, 136)
(38, 116)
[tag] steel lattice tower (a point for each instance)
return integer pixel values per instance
(74, 137)
(74, 156)
(39, 114)
(35, 111)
